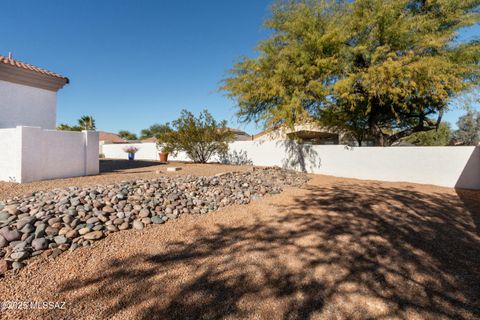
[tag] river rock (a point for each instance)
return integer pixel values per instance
(94, 235)
(138, 225)
(40, 244)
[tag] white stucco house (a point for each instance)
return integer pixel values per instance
(31, 147)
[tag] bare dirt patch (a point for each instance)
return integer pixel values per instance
(335, 249)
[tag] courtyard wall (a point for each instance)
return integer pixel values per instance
(455, 167)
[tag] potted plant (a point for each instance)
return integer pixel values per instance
(131, 150)
(163, 154)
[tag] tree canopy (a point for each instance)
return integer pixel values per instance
(441, 136)
(199, 137)
(127, 135)
(386, 68)
(154, 130)
(468, 132)
(84, 123)
(87, 123)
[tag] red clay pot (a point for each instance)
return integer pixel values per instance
(163, 157)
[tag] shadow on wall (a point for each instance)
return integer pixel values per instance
(344, 251)
(236, 158)
(113, 165)
(299, 156)
(470, 177)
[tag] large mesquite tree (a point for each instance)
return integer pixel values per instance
(386, 68)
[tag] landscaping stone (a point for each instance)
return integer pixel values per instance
(10, 235)
(138, 225)
(94, 235)
(3, 242)
(18, 256)
(4, 216)
(157, 220)
(50, 222)
(40, 244)
(60, 239)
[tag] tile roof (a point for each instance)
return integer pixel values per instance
(26, 66)
(150, 139)
(110, 137)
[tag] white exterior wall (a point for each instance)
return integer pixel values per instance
(48, 154)
(22, 105)
(10, 157)
(457, 167)
(146, 151)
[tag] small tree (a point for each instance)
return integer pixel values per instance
(468, 132)
(127, 135)
(199, 137)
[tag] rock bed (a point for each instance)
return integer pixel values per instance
(50, 222)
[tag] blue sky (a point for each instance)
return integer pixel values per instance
(134, 63)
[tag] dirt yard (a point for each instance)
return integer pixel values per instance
(334, 249)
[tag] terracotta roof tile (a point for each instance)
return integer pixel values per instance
(26, 66)
(110, 137)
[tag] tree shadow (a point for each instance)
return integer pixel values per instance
(470, 176)
(344, 251)
(236, 158)
(115, 165)
(471, 201)
(302, 157)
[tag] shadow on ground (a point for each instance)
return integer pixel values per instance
(115, 165)
(345, 251)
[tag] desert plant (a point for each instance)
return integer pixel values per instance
(130, 149)
(199, 137)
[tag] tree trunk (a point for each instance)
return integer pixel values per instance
(376, 133)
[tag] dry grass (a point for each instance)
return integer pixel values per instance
(335, 249)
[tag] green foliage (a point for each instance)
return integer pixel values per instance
(154, 130)
(388, 66)
(84, 123)
(468, 132)
(87, 123)
(438, 137)
(127, 135)
(199, 137)
(66, 127)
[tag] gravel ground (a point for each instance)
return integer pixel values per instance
(114, 171)
(334, 249)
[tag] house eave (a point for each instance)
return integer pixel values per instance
(31, 78)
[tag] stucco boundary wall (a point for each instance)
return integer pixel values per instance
(454, 167)
(146, 151)
(39, 154)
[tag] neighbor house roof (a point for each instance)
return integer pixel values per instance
(110, 137)
(151, 139)
(23, 73)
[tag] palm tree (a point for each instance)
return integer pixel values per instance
(64, 127)
(87, 123)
